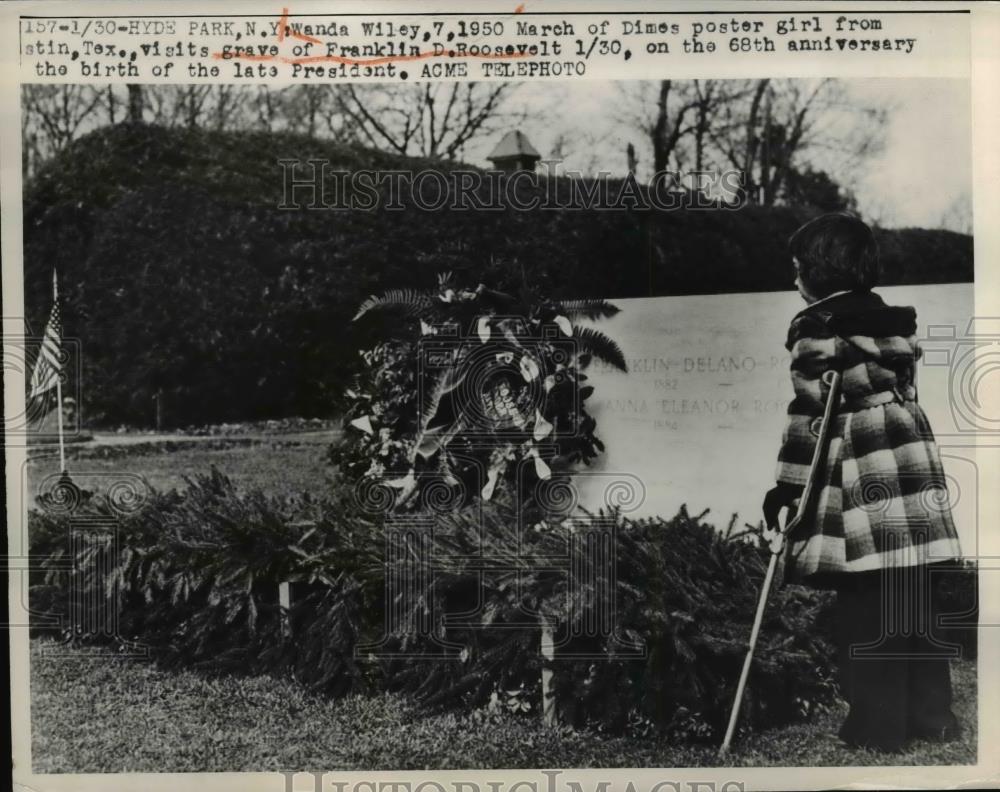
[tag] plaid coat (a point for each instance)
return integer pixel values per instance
(880, 497)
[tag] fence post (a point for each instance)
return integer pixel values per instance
(285, 588)
(548, 654)
(284, 604)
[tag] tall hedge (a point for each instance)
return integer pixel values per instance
(185, 282)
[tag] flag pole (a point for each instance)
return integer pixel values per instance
(59, 410)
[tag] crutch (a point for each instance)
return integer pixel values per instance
(832, 379)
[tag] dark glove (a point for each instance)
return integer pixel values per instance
(776, 499)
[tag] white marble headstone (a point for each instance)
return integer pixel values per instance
(698, 418)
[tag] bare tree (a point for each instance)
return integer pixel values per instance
(765, 130)
(576, 150)
(710, 95)
(111, 102)
(232, 107)
(179, 105)
(160, 104)
(306, 107)
(30, 147)
(669, 125)
(60, 110)
(562, 146)
(265, 103)
(53, 116)
(736, 135)
(317, 111)
(136, 103)
(662, 111)
(434, 120)
(190, 103)
(788, 126)
(128, 98)
(631, 160)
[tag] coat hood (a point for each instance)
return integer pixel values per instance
(884, 332)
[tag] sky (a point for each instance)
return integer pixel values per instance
(921, 176)
(925, 169)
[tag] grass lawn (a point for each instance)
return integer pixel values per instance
(279, 465)
(108, 714)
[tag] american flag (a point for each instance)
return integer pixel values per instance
(48, 367)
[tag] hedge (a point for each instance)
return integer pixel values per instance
(184, 281)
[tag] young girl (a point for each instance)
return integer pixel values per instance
(879, 517)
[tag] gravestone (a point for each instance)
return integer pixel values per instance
(698, 418)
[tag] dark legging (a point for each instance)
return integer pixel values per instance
(894, 669)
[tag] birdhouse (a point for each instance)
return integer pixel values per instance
(514, 153)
